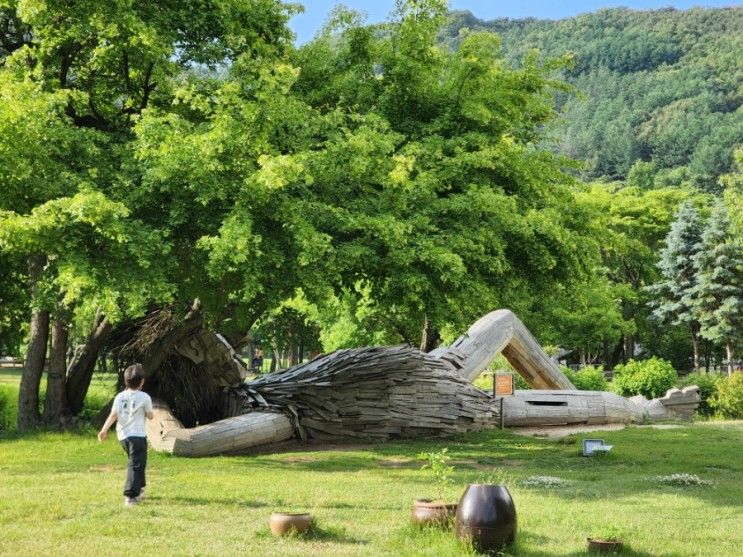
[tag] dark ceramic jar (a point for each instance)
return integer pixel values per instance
(486, 515)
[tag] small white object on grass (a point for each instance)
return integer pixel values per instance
(591, 446)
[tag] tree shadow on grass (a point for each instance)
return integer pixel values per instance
(639, 456)
(625, 552)
(206, 501)
(317, 532)
(533, 541)
(349, 506)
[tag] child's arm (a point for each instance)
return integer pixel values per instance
(112, 417)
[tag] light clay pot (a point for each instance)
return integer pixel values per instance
(287, 523)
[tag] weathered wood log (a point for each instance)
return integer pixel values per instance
(498, 332)
(166, 433)
(675, 404)
(565, 407)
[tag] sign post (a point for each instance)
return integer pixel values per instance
(503, 385)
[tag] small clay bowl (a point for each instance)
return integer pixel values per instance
(283, 524)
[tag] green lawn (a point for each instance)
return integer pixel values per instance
(61, 494)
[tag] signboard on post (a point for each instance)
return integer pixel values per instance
(503, 385)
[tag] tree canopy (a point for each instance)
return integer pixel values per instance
(376, 185)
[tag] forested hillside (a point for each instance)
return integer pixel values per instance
(660, 87)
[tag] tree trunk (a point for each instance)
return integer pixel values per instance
(629, 347)
(55, 406)
(430, 337)
(103, 362)
(293, 354)
(28, 396)
(615, 355)
(606, 356)
(695, 343)
(729, 354)
(274, 358)
(81, 369)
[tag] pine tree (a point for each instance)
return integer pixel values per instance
(675, 292)
(718, 296)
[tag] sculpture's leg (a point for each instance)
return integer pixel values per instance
(553, 408)
(243, 432)
(501, 331)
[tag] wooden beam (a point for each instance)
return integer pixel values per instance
(498, 332)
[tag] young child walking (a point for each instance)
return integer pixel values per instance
(129, 410)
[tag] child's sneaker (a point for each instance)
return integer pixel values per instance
(130, 501)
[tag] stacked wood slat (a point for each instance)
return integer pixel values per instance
(215, 354)
(374, 393)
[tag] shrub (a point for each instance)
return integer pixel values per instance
(650, 378)
(682, 480)
(8, 410)
(438, 464)
(727, 402)
(521, 383)
(587, 379)
(707, 383)
(485, 382)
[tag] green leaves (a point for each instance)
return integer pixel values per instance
(718, 295)
(99, 258)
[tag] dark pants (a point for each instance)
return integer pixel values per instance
(136, 448)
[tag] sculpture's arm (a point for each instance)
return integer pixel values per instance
(498, 332)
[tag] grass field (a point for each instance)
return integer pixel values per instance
(60, 494)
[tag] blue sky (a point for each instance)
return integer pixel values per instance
(315, 11)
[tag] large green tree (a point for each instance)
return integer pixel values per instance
(676, 291)
(630, 223)
(74, 79)
(463, 211)
(718, 296)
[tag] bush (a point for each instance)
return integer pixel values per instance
(650, 378)
(521, 383)
(707, 383)
(587, 379)
(8, 409)
(727, 402)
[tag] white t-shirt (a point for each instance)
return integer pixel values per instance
(131, 407)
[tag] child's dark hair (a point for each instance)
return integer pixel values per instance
(134, 376)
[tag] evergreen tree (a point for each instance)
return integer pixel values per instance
(676, 289)
(718, 296)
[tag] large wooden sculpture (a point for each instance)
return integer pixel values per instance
(392, 392)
